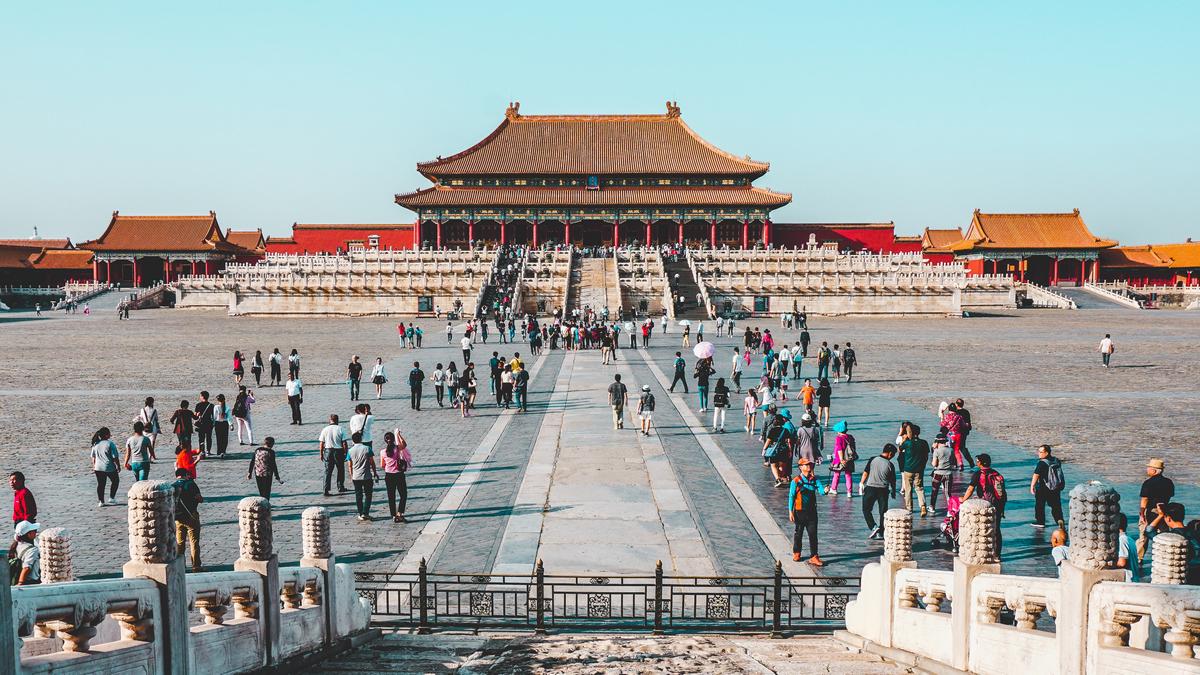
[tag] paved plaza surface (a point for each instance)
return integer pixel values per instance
(501, 489)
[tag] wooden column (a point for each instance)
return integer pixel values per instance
(193, 268)
(1095, 270)
(470, 233)
(745, 234)
(503, 231)
(1082, 272)
(137, 278)
(712, 233)
(649, 232)
(166, 269)
(681, 232)
(95, 270)
(616, 232)
(766, 233)
(567, 232)
(438, 236)
(1054, 273)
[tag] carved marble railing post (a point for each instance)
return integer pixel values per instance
(1093, 554)
(318, 553)
(1170, 558)
(54, 546)
(977, 523)
(257, 546)
(152, 556)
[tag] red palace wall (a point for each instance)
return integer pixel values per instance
(872, 238)
(331, 240)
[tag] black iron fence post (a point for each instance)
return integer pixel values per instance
(658, 589)
(776, 615)
(540, 595)
(422, 586)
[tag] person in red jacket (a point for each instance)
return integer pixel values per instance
(24, 505)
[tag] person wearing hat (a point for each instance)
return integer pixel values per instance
(645, 409)
(802, 510)
(27, 553)
(943, 470)
(1157, 491)
(810, 440)
(845, 453)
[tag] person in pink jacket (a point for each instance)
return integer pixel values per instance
(844, 454)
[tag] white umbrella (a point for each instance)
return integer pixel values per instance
(684, 322)
(704, 350)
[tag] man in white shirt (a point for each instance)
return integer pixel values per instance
(1106, 349)
(785, 360)
(360, 423)
(332, 444)
(295, 396)
(466, 348)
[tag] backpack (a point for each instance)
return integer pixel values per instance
(648, 402)
(239, 407)
(993, 489)
(849, 454)
(1055, 480)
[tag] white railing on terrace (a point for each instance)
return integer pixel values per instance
(1113, 296)
(1044, 297)
(708, 306)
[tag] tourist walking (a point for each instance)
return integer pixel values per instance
(877, 483)
(1046, 486)
(702, 372)
(680, 373)
(720, 402)
(736, 372)
(618, 396)
(276, 360)
(331, 443)
(182, 421)
(521, 387)
(849, 360)
(239, 368)
(397, 460)
(139, 452)
(824, 395)
(241, 411)
(452, 383)
(750, 410)
(943, 471)
(362, 422)
(645, 409)
(24, 505)
(805, 340)
(471, 382)
(104, 461)
(354, 377)
(295, 396)
(378, 377)
(836, 363)
(797, 361)
(294, 363)
(687, 335)
(914, 455)
(845, 453)
(25, 555)
(221, 417)
(256, 368)
(148, 416)
(361, 462)
(416, 378)
(810, 441)
(802, 501)
(263, 467)
(988, 484)
(438, 378)
(186, 458)
(1107, 348)
(187, 517)
(957, 426)
(466, 348)
(203, 415)
(824, 356)
(1157, 491)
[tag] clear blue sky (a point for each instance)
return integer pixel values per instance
(270, 113)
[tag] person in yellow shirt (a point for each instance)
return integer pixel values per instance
(516, 363)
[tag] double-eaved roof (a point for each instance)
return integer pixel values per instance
(606, 146)
(1029, 231)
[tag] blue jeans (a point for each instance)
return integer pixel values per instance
(141, 470)
(822, 371)
(703, 392)
(796, 369)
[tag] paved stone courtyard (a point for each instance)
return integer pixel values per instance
(499, 490)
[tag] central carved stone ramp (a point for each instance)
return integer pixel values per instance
(593, 284)
(507, 653)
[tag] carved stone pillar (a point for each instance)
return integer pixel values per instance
(55, 547)
(257, 546)
(976, 555)
(897, 535)
(318, 553)
(1170, 558)
(151, 509)
(977, 532)
(1093, 553)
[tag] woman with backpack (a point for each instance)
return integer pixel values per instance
(148, 416)
(397, 460)
(452, 383)
(988, 484)
(241, 415)
(294, 363)
(720, 401)
(645, 409)
(104, 462)
(845, 452)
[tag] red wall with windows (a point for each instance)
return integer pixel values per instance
(332, 240)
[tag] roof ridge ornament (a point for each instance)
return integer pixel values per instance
(672, 109)
(513, 111)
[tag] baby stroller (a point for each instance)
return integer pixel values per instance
(947, 536)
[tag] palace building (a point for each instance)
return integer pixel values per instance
(593, 180)
(1044, 248)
